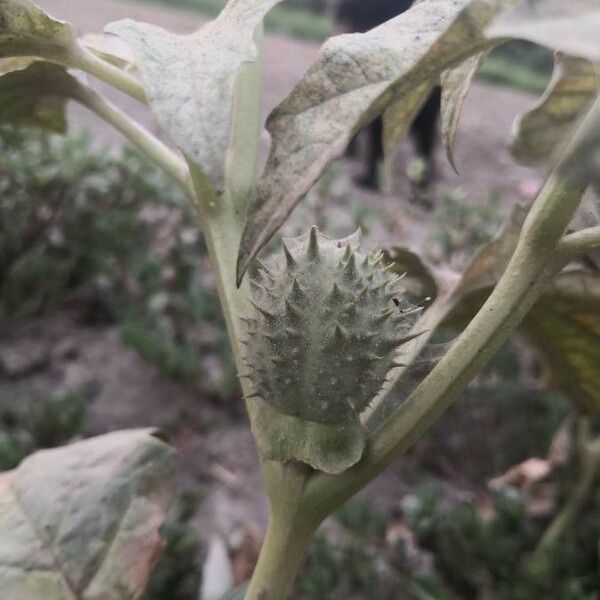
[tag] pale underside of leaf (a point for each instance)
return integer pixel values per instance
(456, 83)
(26, 30)
(191, 79)
(568, 26)
(82, 522)
(354, 78)
(540, 133)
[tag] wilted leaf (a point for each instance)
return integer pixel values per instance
(568, 26)
(191, 79)
(354, 78)
(83, 521)
(543, 130)
(34, 94)
(26, 30)
(420, 279)
(456, 83)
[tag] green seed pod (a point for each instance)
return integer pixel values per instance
(324, 332)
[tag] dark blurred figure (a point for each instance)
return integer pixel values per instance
(358, 16)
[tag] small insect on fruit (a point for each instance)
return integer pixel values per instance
(323, 333)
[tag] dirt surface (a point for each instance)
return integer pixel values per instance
(217, 449)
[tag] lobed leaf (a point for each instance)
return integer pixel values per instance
(190, 80)
(355, 78)
(26, 30)
(571, 27)
(83, 521)
(542, 131)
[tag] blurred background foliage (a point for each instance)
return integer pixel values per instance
(103, 232)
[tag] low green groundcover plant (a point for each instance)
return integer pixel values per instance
(107, 232)
(323, 330)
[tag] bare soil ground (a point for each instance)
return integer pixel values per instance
(216, 447)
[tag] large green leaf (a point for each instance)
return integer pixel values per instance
(34, 94)
(542, 131)
(354, 78)
(26, 30)
(82, 521)
(190, 80)
(570, 26)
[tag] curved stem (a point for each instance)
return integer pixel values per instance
(534, 262)
(81, 58)
(580, 243)
(156, 150)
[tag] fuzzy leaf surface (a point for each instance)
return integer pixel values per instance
(542, 131)
(26, 30)
(82, 522)
(353, 79)
(190, 80)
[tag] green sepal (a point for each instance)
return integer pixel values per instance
(326, 447)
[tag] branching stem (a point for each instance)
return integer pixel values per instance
(534, 262)
(580, 243)
(156, 150)
(85, 60)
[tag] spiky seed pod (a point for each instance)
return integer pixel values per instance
(324, 330)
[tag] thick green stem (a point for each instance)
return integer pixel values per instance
(288, 536)
(589, 469)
